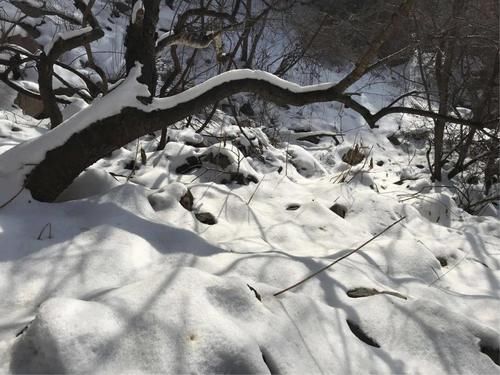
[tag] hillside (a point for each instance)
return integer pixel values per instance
(177, 260)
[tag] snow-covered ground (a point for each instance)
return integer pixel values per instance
(172, 265)
(168, 261)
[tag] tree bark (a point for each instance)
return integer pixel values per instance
(444, 65)
(63, 163)
(363, 64)
(140, 42)
(45, 77)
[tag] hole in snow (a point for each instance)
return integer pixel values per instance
(206, 218)
(186, 200)
(442, 261)
(131, 165)
(367, 292)
(491, 351)
(269, 362)
(354, 156)
(339, 210)
(293, 207)
(192, 163)
(360, 334)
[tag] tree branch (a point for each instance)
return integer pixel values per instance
(30, 9)
(62, 45)
(436, 116)
(363, 64)
(63, 163)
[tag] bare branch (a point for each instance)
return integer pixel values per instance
(63, 163)
(62, 45)
(437, 116)
(339, 259)
(363, 64)
(38, 8)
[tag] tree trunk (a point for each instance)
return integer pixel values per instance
(444, 65)
(45, 76)
(140, 42)
(246, 32)
(63, 163)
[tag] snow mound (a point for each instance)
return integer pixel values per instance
(187, 321)
(168, 261)
(305, 163)
(90, 182)
(146, 327)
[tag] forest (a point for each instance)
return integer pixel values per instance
(249, 186)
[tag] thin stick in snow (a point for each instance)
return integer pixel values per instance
(451, 269)
(49, 226)
(339, 259)
(12, 198)
(256, 188)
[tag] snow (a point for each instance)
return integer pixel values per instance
(234, 75)
(91, 182)
(126, 279)
(66, 36)
(71, 78)
(21, 159)
(163, 37)
(138, 6)
(119, 277)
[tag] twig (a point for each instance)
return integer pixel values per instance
(451, 269)
(48, 225)
(135, 162)
(255, 191)
(339, 259)
(286, 155)
(235, 115)
(14, 197)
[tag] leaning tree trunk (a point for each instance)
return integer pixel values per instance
(62, 164)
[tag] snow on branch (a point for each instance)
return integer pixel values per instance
(137, 10)
(66, 35)
(38, 8)
(52, 161)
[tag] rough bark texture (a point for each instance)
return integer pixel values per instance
(141, 44)
(45, 77)
(443, 68)
(62, 164)
(363, 64)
